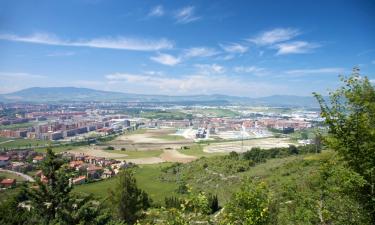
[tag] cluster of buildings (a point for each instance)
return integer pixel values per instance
(60, 125)
(84, 167)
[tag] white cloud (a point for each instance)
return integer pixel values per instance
(248, 69)
(186, 15)
(119, 42)
(210, 68)
(296, 47)
(274, 36)
(200, 52)
(191, 85)
(20, 76)
(234, 48)
(157, 11)
(166, 59)
(328, 70)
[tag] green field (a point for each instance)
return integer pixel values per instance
(18, 142)
(168, 137)
(164, 115)
(17, 126)
(197, 150)
(148, 179)
(137, 154)
(10, 175)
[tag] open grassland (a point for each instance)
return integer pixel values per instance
(223, 176)
(164, 115)
(147, 179)
(137, 154)
(216, 112)
(17, 126)
(4, 174)
(169, 137)
(18, 142)
(197, 151)
(242, 146)
(217, 175)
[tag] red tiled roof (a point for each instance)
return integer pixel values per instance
(39, 157)
(80, 178)
(8, 181)
(4, 158)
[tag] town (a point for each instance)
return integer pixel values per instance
(28, 129)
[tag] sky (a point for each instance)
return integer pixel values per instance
(239, 48)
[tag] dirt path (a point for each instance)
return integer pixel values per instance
(24, 176)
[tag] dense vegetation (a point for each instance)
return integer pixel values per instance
(294, 185)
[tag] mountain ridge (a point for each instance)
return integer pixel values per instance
(75, 94)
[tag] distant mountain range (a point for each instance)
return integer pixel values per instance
(73, 94)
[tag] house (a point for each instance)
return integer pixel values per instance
(75, 164)
(4, 161)
(94, 172)
(79, 180)
(38, 159)
(108, 173)
(8, 183)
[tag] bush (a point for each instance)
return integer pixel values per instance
(110, 148)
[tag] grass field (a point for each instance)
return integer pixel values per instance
(197, 150)
(147, 179)
(10, 175)
(137, 154)
(172, 115)
(15, 142)
(17, 126)
(170, 137)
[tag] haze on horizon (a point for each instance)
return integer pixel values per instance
(237, 48)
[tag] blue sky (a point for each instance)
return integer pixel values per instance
(242, 48)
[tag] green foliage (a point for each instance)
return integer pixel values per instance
(248, 206)
(173, 202)
(127, 199)
(213, 203)
(11, 207)
(50, 198)
(350, 116)
(109, 148)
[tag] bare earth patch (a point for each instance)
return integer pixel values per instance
(149, 141)
(166, 156)
(237, 146)
(175, 156)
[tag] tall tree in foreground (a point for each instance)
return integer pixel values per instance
(350, 116)
(128, 200)
(49, 199)
(53, 203)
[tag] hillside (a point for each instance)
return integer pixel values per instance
(73, 94)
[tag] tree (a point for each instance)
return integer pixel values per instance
(50, 198)
(350, 116)
(248, 206)
(129, 201)
(52, 202)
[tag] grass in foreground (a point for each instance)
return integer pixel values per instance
(147, 179)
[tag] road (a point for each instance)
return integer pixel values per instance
(26, 177)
